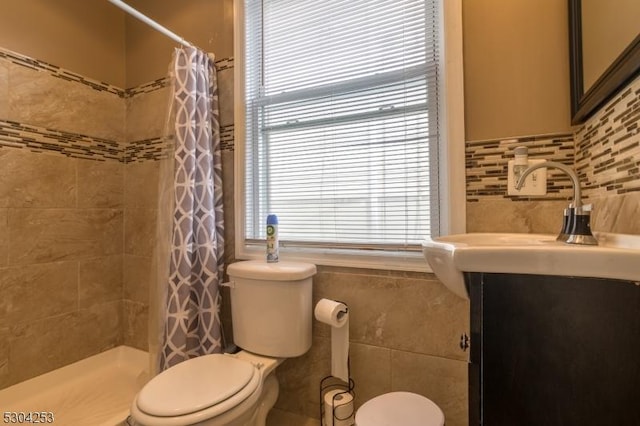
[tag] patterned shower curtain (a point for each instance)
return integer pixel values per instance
(191, 317)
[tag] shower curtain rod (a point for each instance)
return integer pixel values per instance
(136, 14)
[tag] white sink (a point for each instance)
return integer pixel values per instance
(616, 256)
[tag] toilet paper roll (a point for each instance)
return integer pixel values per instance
(331, 312)
(336, 314)
(338, 411)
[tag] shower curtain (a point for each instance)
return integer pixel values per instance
(190, 244)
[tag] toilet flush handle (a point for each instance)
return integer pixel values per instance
(229, 284)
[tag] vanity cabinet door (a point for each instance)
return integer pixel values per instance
(556, 351)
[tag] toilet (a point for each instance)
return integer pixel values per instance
(272, 314)
(399, 408)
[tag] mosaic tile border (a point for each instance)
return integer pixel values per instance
(158, 148)
(227, 138)
(56, 71)
(147, 150)
(608, 146)
(40, 139)
(149, 87)
(486, 163)
(221, 65)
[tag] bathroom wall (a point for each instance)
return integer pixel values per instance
(78, 176)
(607, 155)
(516, 67)
(206, 23)
(517, 94)
(87, 37)
(61, 217)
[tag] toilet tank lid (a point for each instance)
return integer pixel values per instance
(279, 271)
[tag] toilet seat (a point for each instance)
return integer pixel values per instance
(213, 383)
(399, 408)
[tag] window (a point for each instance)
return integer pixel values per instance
(339, 126)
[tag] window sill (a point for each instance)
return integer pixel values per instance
(397, 261)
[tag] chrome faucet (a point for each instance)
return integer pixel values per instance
(576, 228)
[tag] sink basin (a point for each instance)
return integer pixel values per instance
(617, 257)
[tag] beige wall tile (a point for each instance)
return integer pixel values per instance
(135, 324)
(100, 184)
(100, 281)
(543, 217)
(225, 96)
(414, 314)
(278, 417)
(4, 357)
(37, 180)
(4, 89)
(140, 232)
(38, 347)
(99, 328)
(45, 235)
(137, 278)
(70, 106)
(4, 237)
(371, 371)
(37, 292)
(141, 185)
(616, 213)
(444, 381)
(228, 206)
(300, 379)
(147, 114)
(44, 345)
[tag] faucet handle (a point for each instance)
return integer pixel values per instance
(580, 227)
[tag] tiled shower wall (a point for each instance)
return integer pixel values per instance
(61, 217)
(605, 152)
(78, 200)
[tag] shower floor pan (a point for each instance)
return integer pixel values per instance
(95, 391)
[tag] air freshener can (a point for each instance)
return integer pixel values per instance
(272, 238)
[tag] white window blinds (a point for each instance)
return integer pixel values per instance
(341, 121)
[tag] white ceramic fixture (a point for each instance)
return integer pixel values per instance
(617, 256)
(399, 408)
(272, 313)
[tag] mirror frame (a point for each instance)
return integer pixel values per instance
(620, 72)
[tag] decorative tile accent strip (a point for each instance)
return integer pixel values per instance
(224, 63)
(40, 139)
(163, 82)
(58, 72)
(227, 138)
(608, 146)
(487, 161)
(148, 149)
(148, 87)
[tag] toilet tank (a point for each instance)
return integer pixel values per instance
(271, 307)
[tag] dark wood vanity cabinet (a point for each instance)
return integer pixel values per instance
(553, 351)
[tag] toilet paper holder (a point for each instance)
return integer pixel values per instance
(333, 410)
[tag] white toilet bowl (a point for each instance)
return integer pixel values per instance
(399, 408)
(211, 390)
(271, 318)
